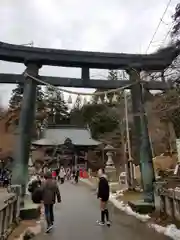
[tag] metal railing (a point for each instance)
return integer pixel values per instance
(8, 216)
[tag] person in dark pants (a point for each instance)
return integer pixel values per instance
(103, 196)
(76, 177)
(73, 174)
(50, 191)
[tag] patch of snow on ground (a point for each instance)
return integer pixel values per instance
(127, 209)
(118, 193)
(170, 231)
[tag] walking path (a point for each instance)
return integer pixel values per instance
(75, 218)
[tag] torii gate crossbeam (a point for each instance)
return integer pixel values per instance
(80, 83)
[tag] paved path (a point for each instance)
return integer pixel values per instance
(75, 219)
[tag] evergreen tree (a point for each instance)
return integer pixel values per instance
(41, 114)
(40, 100)
(57, 108)
(17, 95)
(15, 102)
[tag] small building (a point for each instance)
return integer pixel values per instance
(66, 145)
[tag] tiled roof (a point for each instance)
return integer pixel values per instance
(57, 136)
(44, 142)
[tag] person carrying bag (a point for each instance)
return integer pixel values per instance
(49, 191)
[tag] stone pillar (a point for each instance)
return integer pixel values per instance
(143, 147)
(26, 120)
(110, 168)
(16, 189)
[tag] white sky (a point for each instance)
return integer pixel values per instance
(103, 25)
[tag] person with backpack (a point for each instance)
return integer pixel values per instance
(103, 195)
(34, 183)
(50, 191)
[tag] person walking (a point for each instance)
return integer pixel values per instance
(76, 175)
(103, 196)
(62, 174)
(68, 173)
(54, 174)
(73, 175)
(50, 191)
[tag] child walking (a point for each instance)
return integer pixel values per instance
(103, 196)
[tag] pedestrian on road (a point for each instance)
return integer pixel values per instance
(62, 174)
(103, 196)
(50, 191)
(68, 173)
(73, 175)
(54, 174)
(76, 178)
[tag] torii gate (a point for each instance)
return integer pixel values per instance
(34, 58)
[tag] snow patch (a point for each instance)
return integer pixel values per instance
(170, 231)
(117, 194)
(127, 209)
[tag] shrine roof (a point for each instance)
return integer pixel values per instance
(56, 135)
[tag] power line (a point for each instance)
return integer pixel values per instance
(157, 28)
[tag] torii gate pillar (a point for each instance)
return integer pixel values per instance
(143, 147)
(26, 122)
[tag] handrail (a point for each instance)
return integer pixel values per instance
(169, 200)
(8, 216)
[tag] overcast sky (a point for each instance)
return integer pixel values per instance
(96, 25)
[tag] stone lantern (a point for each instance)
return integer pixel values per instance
(110, 168)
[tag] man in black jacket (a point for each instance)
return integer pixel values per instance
(103, 195)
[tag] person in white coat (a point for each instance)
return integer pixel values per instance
(62, 174)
